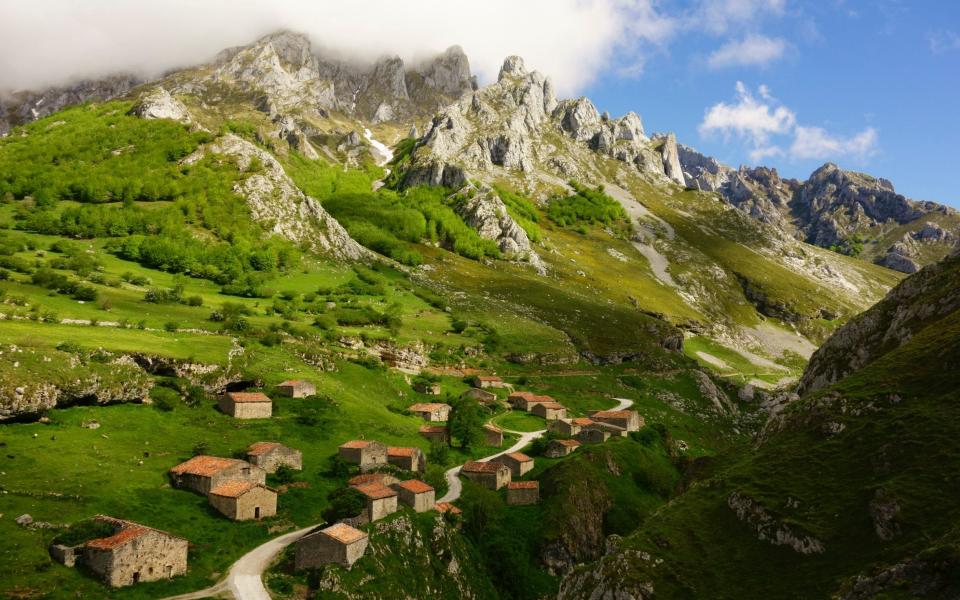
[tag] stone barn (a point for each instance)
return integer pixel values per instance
(408, 459)
(491, 475)
(367, 454)
(490, 381)
(416, 494)
(549, 410)
(297, 388)
(270, 456)
(338, 544)
(435, 432)
(629, 420)
(481, 396)
(527, 400)
(523, 492)
(247, 405)
(378, 478)
(613, 430)
(203, 473)
(431, 411)
(570, 427)
(560, 448)
(593, 436)
(381, 500)
(492, 435)
(135, 553)
(244, 500)
(519, 463)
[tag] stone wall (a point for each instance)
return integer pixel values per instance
(523, 496)
(381, 507)
(148, 557)
(241, 471)
(318, 549)
(418, 502)
(278, 457)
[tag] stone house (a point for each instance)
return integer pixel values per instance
(491, 475)
(560, 448)
(490, 381)
(549, 410)
(523, 492)
(526, 400)
(381, 500)
(431, 411)
(270, 456)
(519, 463)
(593, 435)
(492, 435)
(367, 454)
(135, 553)
(629, 420)
(377, 477)
(613, 430)
(446, 507)
(435, 432)
(296, 388)
(244, 500)
(338, 544)
(570, 427)
(246, 405)
(416, 494)
(203, 473)
(408, 459)
(481, 396)
(428, 388)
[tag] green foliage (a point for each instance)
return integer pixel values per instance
(523, 211)
(344, 502)
(164, 398)
(84, 531)
(586, 207)
(466, 422)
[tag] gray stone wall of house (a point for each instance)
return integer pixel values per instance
(418, 502)
(415, 462)
(593, 436)
(381, 507)
(318, 549)
(372, 455)
(491, 481)
(148, 557)
(482, 396)
(633, 422)
(252, 410)
(65, 555)
(300, 390)
(242, 471)
(613, 430)
(278, 457)
(523, 496)
(517, 468)
(493, 438)
(244, 507)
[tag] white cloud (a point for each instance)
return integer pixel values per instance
(752, 50)
(765, 125)
(943, 41)
(45, 42)
(719, 16)
(816, 143)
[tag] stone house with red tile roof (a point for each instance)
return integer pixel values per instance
(629, 420)
(377, 477)
(135, 553)
(381, 500)
(203, 473)
(560, 448)
(431, 411)
(569, 427)
(523, 492)
(549, 410)
(416, 494)
(481, 396)
(244, 500)
(527, 400)
(439, 433)
(407, 458)
(296, 388)
(246, 405)
(492, 435)
(491, 475)
(613, 430)
(519, 463)
(593, 435)
(490, 381)
(270, 456)
(338, 544)
(367, 454)
(446, 507)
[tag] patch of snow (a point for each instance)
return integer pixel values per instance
(385, 152)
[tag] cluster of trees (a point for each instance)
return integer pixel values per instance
(48, 278)
(585, 207)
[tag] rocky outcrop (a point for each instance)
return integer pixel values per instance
(278, 204)
(483, 210)
(157, 103)
(768, 528)
(670, 157)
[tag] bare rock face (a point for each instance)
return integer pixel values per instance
(289, 130)
(769, 529)
(671, 159)
(277, 203)
(483, 210)
(159, 104)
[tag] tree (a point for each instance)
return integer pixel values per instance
(344, 503)
(466, 422)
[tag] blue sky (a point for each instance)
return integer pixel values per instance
(873, 86)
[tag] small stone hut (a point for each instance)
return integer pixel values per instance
(481, 396)
(593, 436)
(519, 463)
(431, 411)
(203, 473)
(630, 420)
(338, 544)
(246, 405)
(491, 475)
(527, 400)
(560, 448)
(244, 500)
(367, 454)
(549, 410)
(406, 458)
(270, 456)
(296, 388)
(570, 427)
(523, 492)
(490, 381)
(381, 500)
(416, 494)
(135, 553)
(439, 433)
(492, 435)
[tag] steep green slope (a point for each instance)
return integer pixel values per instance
(846, 483)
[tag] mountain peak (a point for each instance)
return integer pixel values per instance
(512, 65)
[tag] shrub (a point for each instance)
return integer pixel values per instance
(195, 301)
(344, 503)
(586, 207)
(164, 398)
(171, 326)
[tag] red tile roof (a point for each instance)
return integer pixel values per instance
(262, 448)
(234, 489)
(242, 397)
(616, 414)
(552, 405)
(415, 485)
(519, 456)
(567, 443)
(433, 429)
(355, 444)
(375, 491)
(121, 537)
(205, 466)
(447, 507)
(344, 533)
(474, 466)
(427, 406)
(489, 378)
(492, 427)
(370, 478)
(524, 395)
(582, 421)
(402, 451)
(523, 485)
